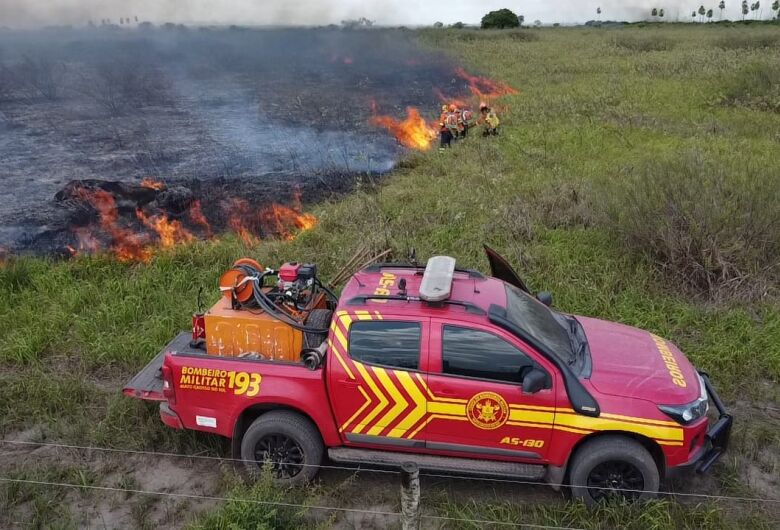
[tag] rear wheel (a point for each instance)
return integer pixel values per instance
(613, 467)
(287, 442)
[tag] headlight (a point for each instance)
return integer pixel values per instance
(691, 412)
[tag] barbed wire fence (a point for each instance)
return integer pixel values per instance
(410, 516)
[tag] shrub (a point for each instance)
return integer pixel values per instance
(648, 43)
(501, 19)
(756, 85)
(713, 227)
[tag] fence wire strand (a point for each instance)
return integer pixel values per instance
(382, 471)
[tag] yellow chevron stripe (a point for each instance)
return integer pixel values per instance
(430, 419)
(376, 410)
(664, 442)
(361, 409)
(343, 364)
(363, 315)
(642, 420)
(378, 315)
(417, 412)
(425, 387)
(567, 429)
(606, 424)
(449, 409)
(342, 340)
(428, 391)
(399, 406)
(535, 416)
(533, 407)
(346, 320)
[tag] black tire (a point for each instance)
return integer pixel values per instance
(318, 318)
(606, 467)
(290, 442)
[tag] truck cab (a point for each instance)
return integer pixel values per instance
(456, 371)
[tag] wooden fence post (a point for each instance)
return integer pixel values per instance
(410, 496)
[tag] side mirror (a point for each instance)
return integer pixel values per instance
(534, 381)
(545, 297)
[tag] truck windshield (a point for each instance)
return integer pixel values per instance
(539, 322)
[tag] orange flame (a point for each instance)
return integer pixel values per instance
(169, 231)
(127, 245)
(413, 132)
(152, 184)
(240, 219)
(197, 217)
(283, 220)
(483, 87)
(245, 220)
(276, 219)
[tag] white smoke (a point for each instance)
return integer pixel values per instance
(31, 13)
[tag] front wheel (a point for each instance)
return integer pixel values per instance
(287, 442)
(613, 467)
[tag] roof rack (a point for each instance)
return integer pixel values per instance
(468, 306)
(376, 267)
(436, 284)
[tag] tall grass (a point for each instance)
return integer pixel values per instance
(642, 43)
(755, 85)
(713, 228)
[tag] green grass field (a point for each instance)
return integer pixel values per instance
(609, 126)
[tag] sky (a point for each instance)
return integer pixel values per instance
(31, 13)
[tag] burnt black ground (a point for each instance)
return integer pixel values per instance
(257, 112)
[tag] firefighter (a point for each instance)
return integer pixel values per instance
(489, 117)
(445, 135)
(467, 118)
(454, 121)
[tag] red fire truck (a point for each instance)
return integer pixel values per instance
(438, 365)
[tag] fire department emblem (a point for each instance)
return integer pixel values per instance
(487, 410)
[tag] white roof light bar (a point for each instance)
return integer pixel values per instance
(437, 280)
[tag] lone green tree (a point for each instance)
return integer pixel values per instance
(721, 6)
(702, 12)
(745, 9)
(709, 15)
(501, 19)
(776, 7)
(654, 13)
(661, 13)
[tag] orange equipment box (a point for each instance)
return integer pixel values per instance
(233, 333)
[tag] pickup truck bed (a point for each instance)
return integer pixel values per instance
(148, 384)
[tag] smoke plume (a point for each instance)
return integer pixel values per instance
(31, 13)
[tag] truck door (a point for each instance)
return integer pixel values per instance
(374, 377)
(477, 405)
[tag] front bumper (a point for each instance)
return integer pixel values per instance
(717, 435)
(717, 438)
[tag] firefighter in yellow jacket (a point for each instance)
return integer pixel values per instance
(489, 118)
